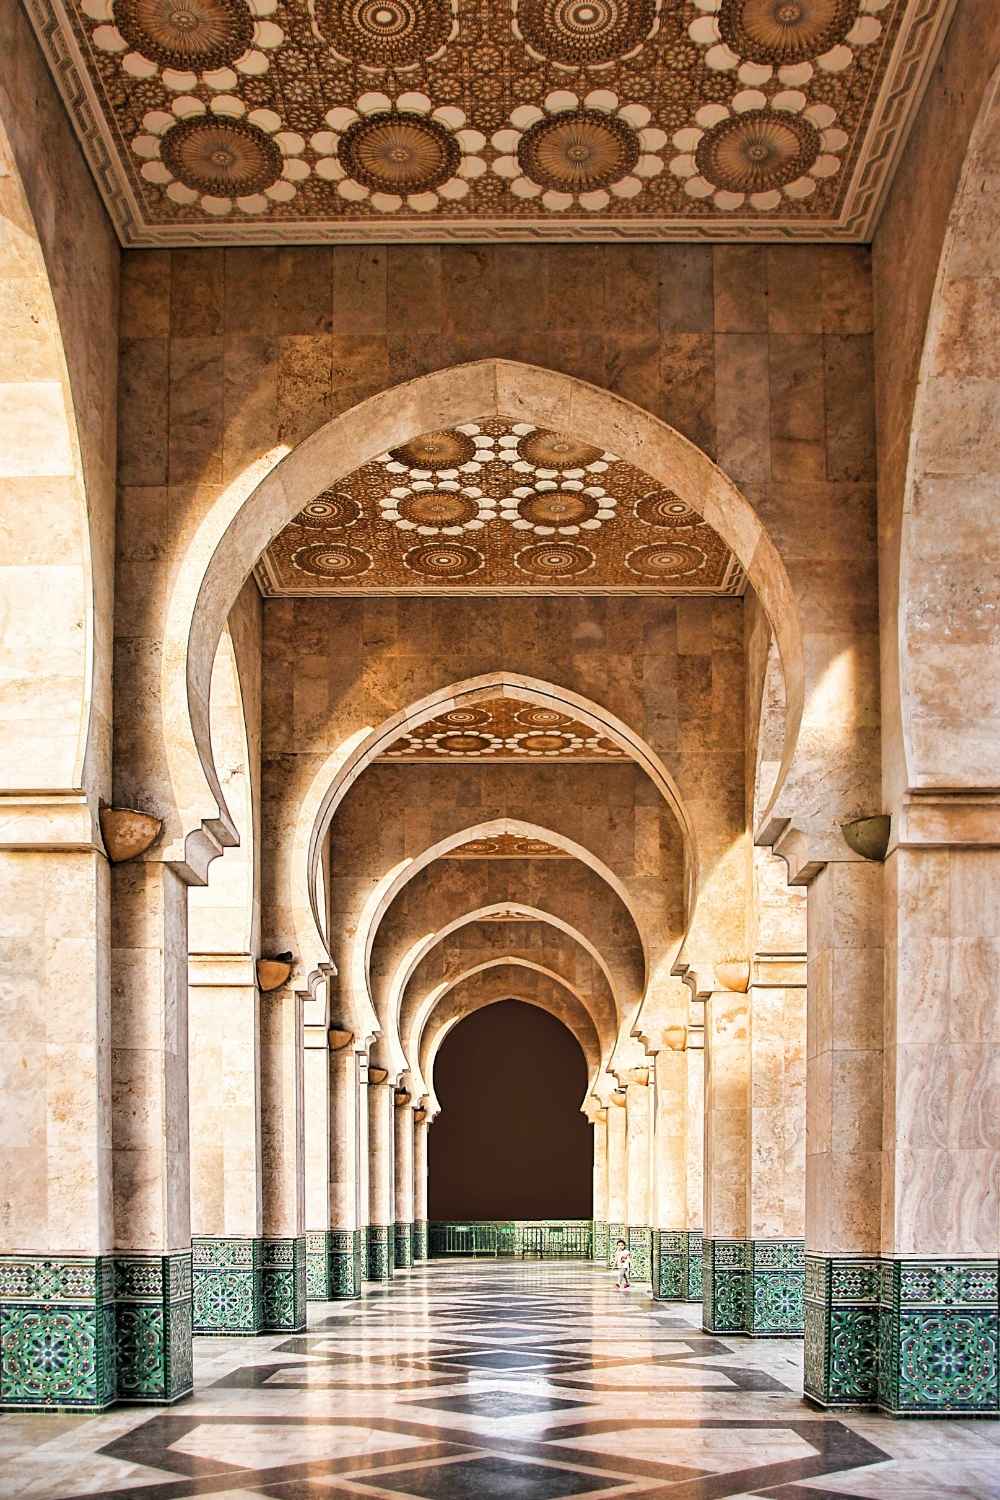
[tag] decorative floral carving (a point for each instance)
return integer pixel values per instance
(555, 560)
(793, 36)
(220, 157)
(332, 560)
(578, 152)
(664, 508)
(393, 152)
(445, 508)
(566, 508)
(443, 562)
(665, 560)
(758, 150)
(381, 34)
(584, 33)
(187, 42)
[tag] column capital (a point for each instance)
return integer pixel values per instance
(377, 1075)
(222, 970)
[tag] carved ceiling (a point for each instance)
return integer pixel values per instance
(498, 506)
(269, 120)
(504, 729)
(508, 846)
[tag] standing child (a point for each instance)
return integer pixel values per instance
(623, 1262)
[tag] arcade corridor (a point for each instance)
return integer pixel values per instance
(475, 1380)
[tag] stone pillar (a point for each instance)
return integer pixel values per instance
(695, 1160)
(617, 1171)
(334, 1239)
(421, 1127)
(226, 1203)
(282, 1112)
(938, 1289)
(638, 1112)
(670, 1239)
(727, 1118)
(381, 1196)
(56, 1214)
(363, 1160)
(844, 1131)
(599, 1121)
(150, 1132)
(403, 1181)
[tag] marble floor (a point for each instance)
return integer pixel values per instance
(492, 1380)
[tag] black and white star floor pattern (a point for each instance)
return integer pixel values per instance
(497, 1381)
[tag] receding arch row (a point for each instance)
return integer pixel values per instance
(252, 510)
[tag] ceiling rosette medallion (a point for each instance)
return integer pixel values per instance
(575, 34)
(187, 42)
(758, 150)
(380, 35)
(504, 728)
(390, 153)
(790, 37)
(574, 152)
(220, 156)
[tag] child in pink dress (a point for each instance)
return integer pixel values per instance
(623, 1262)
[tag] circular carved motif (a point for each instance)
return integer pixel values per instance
(574, 153)
(481, 846)
(555, 559)
(436, 450)
(669, 560)
(221, 157)
(756, 151)
(186, 34)
(443, 560)
(331, 560)
(582, 32)
(550, 450)
(785, 31)
(463, 744)
(437, 508)
(466, 717)
(664, 508)
(543, 744)
(533, 846)
(541, 718)
(399, 153)
(557, 508)
(329, 512)
(385, 33)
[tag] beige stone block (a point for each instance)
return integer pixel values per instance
(741, 289)
(196, 293)
(794, 288)
(360, 289)
(743, 405)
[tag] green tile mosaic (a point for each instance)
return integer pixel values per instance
(57, 1333)
(380, 1255)
(841, 1330)
(333, 1264)
(421, 1241)
(227, 1295)
(676, 1265)
(938, 1337)
(599, 1248)
(695, 1265)
(616, 1232)
(153, 1326)
(283, 1262)
(640, 1246)
(402, 1246)
(754, 1287)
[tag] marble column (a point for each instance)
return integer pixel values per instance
(727, 1118)
(402, 1181)
(381, 1194)
(669, 1202)
(844, 1132)
(56, 1211)
(638, 1124)
(226, 1187)
(282, 1115)
(599, 1122)
(150, 1131)
(333, 1237)
(617, 1172)
(695, 1161)
(421, 1127)
(362, 1210)
(940, 1237)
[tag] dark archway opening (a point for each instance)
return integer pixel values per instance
(511, 1142)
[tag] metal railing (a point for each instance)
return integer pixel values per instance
(544, 1239)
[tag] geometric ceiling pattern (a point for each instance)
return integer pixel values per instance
(498, 506)
(503, 729)
(217, 121)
